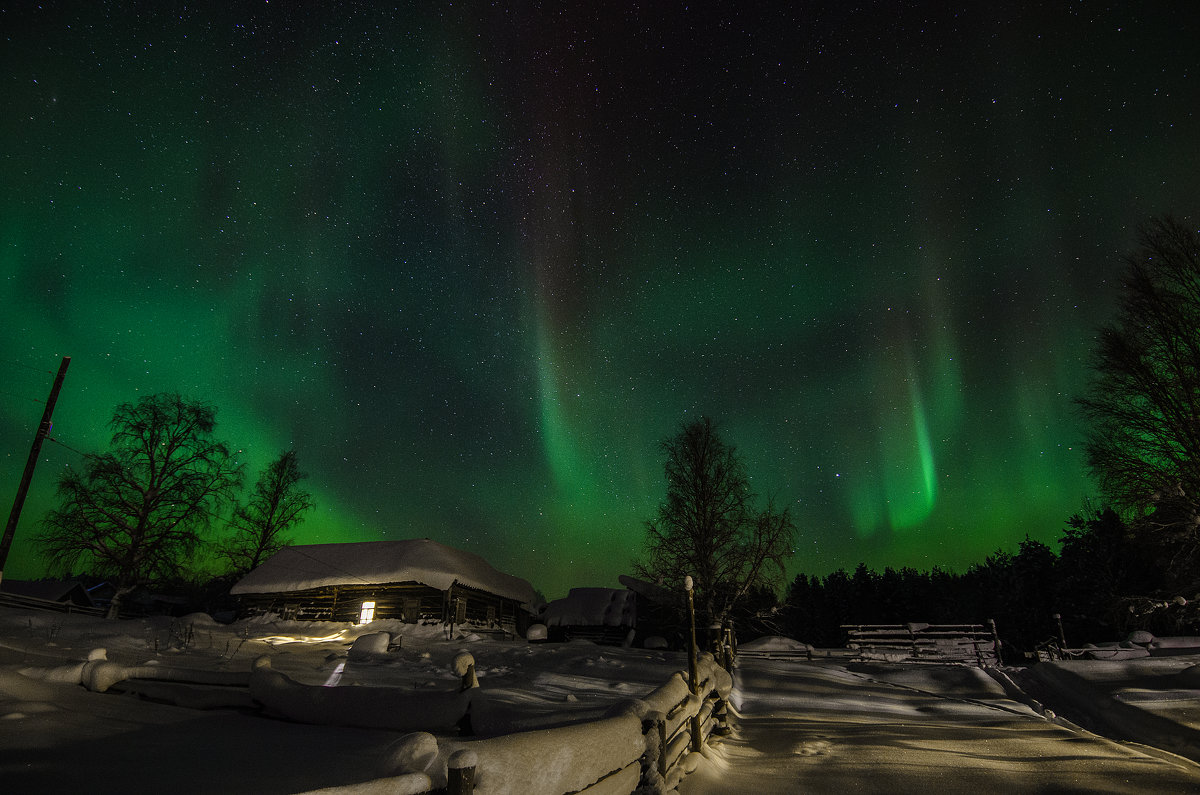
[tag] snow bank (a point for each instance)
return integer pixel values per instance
(98, 674)
(365, 707)
(1175, 643)
(1162, 646)
(407, 784)
(1121, 700)
(71, 673)
(775, 643)
(554, 761)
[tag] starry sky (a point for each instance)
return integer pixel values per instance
(474, 261)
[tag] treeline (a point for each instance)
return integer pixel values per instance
(1094, 584)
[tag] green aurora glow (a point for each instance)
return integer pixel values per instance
(475, 265)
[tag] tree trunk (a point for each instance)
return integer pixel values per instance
(114, 607)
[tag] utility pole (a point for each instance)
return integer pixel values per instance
(42, 432)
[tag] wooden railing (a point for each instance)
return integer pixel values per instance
(639, 746)
(932, 642)
(32, 602)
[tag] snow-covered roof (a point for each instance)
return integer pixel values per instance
(655, 593)
(593, 607)
(300, 568)
(50, 590)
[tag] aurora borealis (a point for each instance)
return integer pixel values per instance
(474, 262)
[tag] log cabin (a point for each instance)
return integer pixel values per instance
(416, 580)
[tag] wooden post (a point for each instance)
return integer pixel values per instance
(464, 668)
(460, 772)
(693, 676)
(693, 684)
(662, 746)
(43, 431)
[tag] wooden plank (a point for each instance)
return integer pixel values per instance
(32, 602)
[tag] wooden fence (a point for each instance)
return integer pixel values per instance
(975, 643)
(32, 602)
(640, 745)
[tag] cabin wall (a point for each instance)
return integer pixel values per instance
(469, 605)
(410, 602)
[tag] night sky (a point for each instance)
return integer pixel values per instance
(474, 263)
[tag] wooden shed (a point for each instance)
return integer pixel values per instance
(413, 580)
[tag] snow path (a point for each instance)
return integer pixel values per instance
(821, 727)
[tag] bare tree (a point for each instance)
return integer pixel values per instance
(259, 526)
(709, 528)
(1143, 400)
(136, 513)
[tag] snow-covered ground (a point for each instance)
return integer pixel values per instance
(818, 725)
(834, 725)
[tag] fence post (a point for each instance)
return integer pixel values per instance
(693, 684)
(693, 677)
(721, 710)
(662, 746)
(460, 772)
(464, 668)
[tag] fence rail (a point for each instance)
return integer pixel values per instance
(32, 602)
(932, 642)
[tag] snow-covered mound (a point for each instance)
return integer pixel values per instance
(775, 643)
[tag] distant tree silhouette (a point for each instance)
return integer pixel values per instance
(804, 612)
(1101, 566)
(260, 526)
(709, 528)
(1022, 592)
(1027, 611)
(136, 513)
(1142, 404)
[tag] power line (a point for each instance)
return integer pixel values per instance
(69, 447)
(22, 397)
(294, 551)
(26, 366)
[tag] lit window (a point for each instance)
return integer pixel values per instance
(367, 613)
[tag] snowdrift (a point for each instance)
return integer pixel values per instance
(365, 707)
